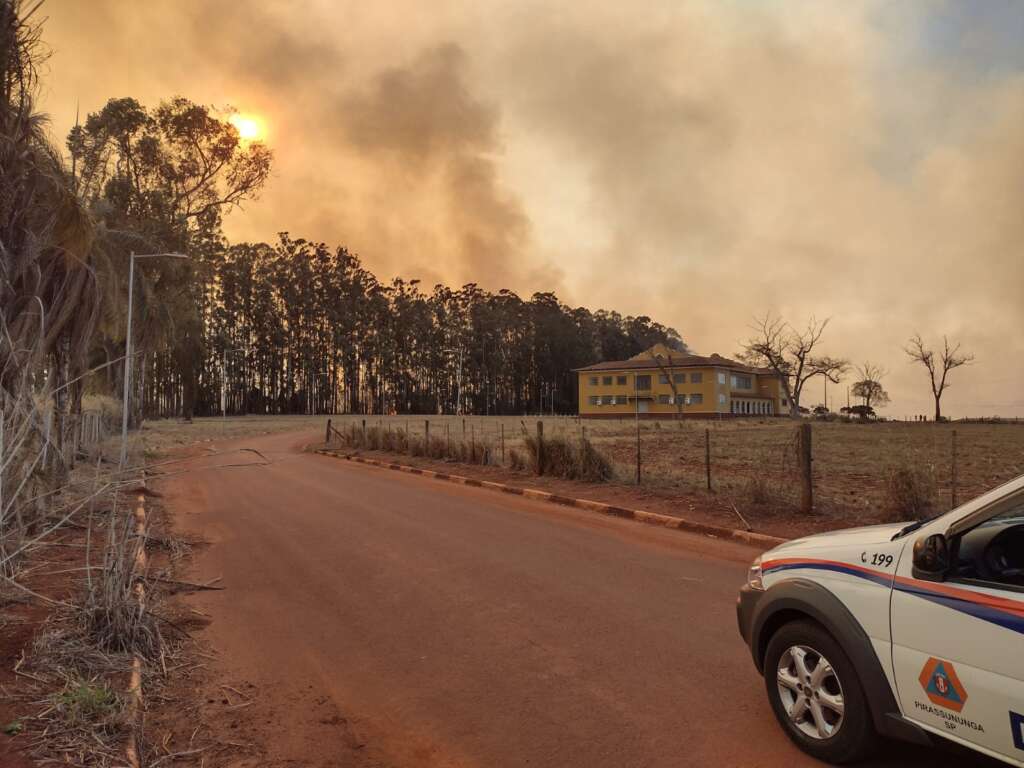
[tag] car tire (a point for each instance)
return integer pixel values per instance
(809, 678)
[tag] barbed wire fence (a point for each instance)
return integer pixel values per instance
(768, 464)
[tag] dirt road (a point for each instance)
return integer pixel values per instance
(379, 619)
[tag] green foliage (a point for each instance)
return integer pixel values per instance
(85, 702)
(14, 727)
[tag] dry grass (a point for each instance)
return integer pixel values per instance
(910, 493)
(753, 461)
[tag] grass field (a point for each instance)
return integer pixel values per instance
(754, 462)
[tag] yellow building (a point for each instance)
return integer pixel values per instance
(657, 382)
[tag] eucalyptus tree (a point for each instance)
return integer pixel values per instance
(162, 178)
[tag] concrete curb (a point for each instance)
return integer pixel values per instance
(650, 518)
(136, 705)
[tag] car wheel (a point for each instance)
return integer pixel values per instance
(816, 694)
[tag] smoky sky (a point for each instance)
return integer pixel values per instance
(699, 162)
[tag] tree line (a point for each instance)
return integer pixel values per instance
(298, 327)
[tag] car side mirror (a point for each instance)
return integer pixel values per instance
(931, 558)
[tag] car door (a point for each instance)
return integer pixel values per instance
(958, 647)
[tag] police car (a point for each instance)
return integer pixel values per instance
(905, 631)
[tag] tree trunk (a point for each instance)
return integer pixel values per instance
(938, 409)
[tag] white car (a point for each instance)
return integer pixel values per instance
(897, 630)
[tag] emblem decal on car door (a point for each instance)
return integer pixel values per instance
(942, 686)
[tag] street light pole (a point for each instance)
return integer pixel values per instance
(128, 347)
(127, 365)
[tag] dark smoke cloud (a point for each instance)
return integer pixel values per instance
(429, 142)
(699, 162)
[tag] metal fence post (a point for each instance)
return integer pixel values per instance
(953, 472)
(707, 455)
(806, 475)
(638, 449)
(540, 447)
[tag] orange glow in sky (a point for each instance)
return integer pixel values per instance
(249, 127)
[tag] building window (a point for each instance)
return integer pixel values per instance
(742, 382)
(784, 402)
(721, 398)
(620, 380)
(607, 381)
(695, 399)
(595, 400)
(696, 378)
(593, 381)
(664, 400)
(663, 378)
(721, 377)
(622, 400)
(643, 382)
(679, 378)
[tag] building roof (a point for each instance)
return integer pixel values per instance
(647, 361)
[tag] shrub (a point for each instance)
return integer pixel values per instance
(437, 449)
(572, 460)
(910, 493)
(758, 490)
(516, 460)
(593, 466)
(86, 703)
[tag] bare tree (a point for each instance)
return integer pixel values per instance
(790, 354)
(666, 371)
(939, 366)
(869, 386)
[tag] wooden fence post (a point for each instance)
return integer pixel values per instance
(447, 439)
(804, 461)
(707, 455)
(426, 437)
(540, 447)
(364, 433)
(328, 439)
(953, 472)
(638, 449)
(502, 443)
